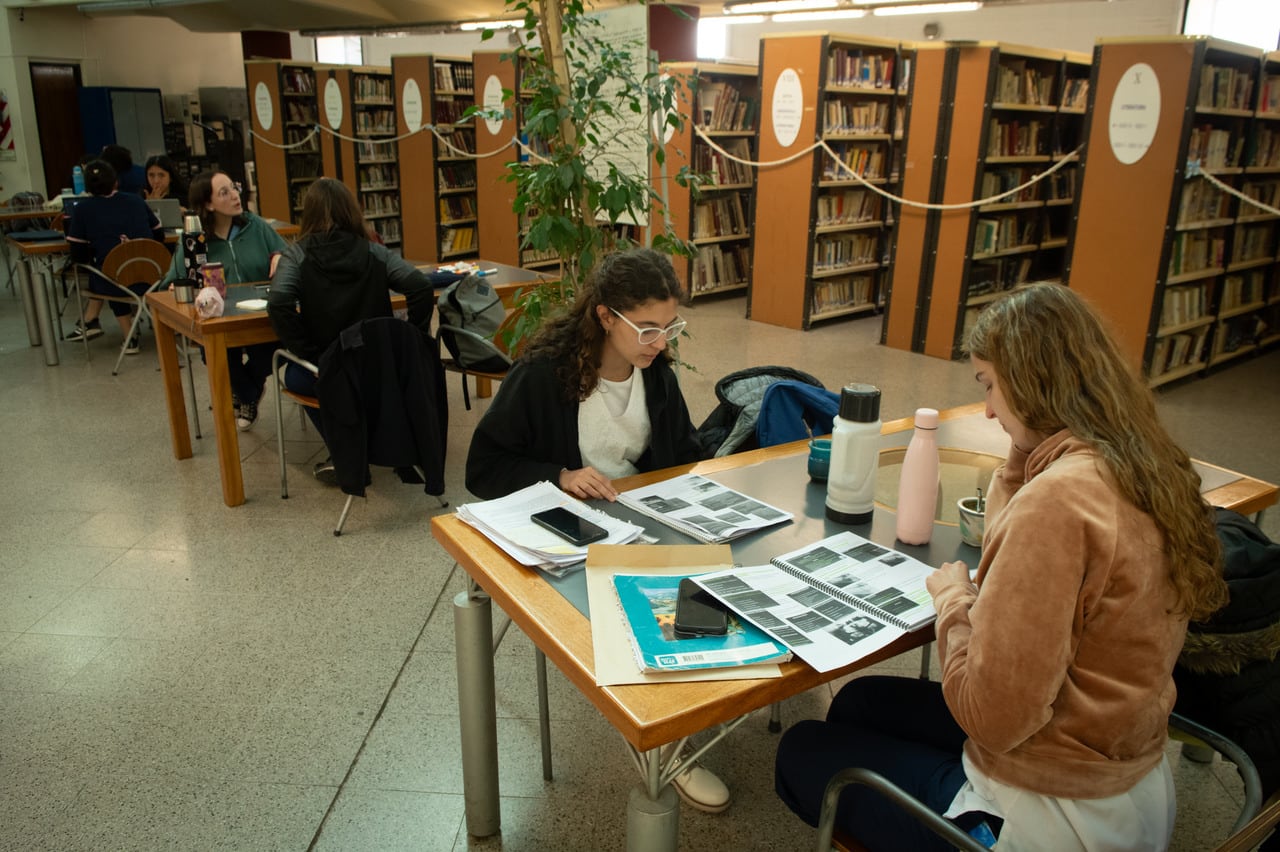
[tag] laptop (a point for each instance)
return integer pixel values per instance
(167, 210)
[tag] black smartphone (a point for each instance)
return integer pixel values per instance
(574, 529)
(698, 613)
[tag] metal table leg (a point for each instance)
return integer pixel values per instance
(44, 315)
(28, 296)
(653, 810)
(477, 711)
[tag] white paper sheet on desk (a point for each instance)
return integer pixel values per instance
(615, 662)
(252, 304)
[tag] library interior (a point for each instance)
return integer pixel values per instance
(189, 661)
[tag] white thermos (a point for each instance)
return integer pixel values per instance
(855, 455)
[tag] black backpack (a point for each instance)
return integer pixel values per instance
(473, 306)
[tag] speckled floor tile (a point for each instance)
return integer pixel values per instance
(392, 821)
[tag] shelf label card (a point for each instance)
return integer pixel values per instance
(493, 100)
(1135, 113)
(411, 105)
(262, 106)
(787, 107)
(333, 103)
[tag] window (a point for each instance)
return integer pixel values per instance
(340, 50)
(713, 38)
(1242, 21)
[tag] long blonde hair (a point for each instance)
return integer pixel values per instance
(1059, 368)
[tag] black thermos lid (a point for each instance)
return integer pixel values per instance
(860, 403)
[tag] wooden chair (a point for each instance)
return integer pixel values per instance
(141, 261)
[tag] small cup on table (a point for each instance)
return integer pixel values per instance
(972, 519)
(819, 459)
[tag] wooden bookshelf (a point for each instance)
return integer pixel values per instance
(822, 237)
(1197, 266)
(723, 101)
(438, 195)
(499, 226)
(375, 161)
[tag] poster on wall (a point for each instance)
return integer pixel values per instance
(7, 132)
(623, 136)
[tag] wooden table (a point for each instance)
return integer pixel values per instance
(234, 328)
(649, 716)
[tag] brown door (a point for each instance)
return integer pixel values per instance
(56, 90)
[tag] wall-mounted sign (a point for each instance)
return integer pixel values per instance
(1135, 113)
(333, 103)
(411, 105)
(493, 100)
(262, 106)
(787, 107)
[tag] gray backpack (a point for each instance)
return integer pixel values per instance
(470, 313)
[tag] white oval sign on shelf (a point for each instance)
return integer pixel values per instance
(411, 105)
(493, 100)
(1135, 113)
(333, 103)
(263, 107)
(787, 107)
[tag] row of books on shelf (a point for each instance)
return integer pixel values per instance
(850, 291)
(1234, 333)
(1018, 83)
(379, 175)
(463, 140)
(1075, 95)
(840, 116)
(300, 112)
(1266, 148)
(1196, 250)
(1000, 233)
(1215, 147)
(1269, 94)
(449, 110)
(453, 76)
(866, 161)
(304, 166)
(720, 216)
(1016, 138)
(380, 203)
(297, 81)
(457, 176)
(1201, 201)
(997, 275)
(721, 106)
(389, 230)
(458, 240)
(454, 207)
(532, 255)
(1184, 304)
(373, 88)
(852, 67)
(848, 207)
(835, 251)
(1174, 351)
(1001, 180)
(369, 150)
(1225, 87)
(721, 169)
(379, 121)
(718, 266)
(1253, 242)
(1238, 290)
(306, 141)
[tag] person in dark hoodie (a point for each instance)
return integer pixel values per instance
(334, 277)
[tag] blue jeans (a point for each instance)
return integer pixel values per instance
(303, 381)
(898, 727)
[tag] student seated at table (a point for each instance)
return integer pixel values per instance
(1050, 721)
(163, 180)
(98, 224)
(248, 249)
(334, 276)
(132, 177)
(592, 399)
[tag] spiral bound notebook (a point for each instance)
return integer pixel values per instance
(832, 602)
(703, 508)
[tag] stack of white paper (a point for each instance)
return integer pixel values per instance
(703, 508)
(506, 523)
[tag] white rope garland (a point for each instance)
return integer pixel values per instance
(1231, 190)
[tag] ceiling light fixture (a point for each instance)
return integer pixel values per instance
(927, 8)
(824, 15)
(469, 26)
(771, 6)
(737, 19)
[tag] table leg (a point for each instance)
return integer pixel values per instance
(28, 296)
(224, 420)
(167, 349)
(477, 712)
(653, 810)
(484, 387)
(44, 315)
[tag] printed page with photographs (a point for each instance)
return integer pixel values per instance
(833, 602)
(703, 508)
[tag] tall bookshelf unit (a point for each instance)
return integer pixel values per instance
(723, 101)
(499, 226)
(438, 193)
(286, 110)
(821, 238)
(1197, 266)
(377, 163)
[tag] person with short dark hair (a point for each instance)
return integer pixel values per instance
(163, 180)
(98, 224)
(130, 176)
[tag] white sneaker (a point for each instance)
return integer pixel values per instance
(702, 789)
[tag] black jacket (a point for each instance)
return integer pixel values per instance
(530, 433)
(330, 281)
(382, 401)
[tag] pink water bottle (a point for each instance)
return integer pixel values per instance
(918, 485)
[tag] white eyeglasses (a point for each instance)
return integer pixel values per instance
(647, 336)
(226, 191)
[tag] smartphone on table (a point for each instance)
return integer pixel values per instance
(698, 613)
(573, 528)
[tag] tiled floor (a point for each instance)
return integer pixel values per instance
(175, 674)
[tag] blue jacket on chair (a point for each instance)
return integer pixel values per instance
(786, 408)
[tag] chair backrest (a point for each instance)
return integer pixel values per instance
(141, 261)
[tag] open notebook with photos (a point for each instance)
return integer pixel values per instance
(703, 508)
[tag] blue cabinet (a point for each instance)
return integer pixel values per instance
(117, 115)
